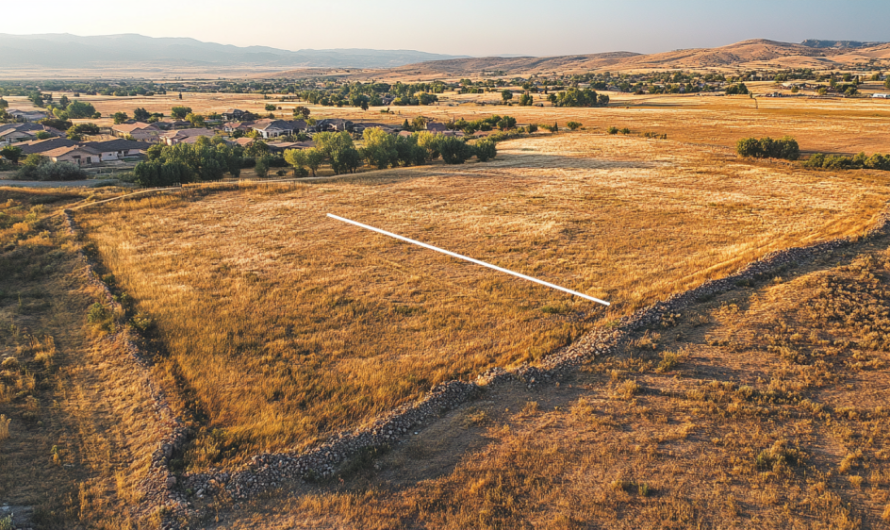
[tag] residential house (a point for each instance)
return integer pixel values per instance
(188, 136)
(75, 154)
(335, 125)
(243, 126)
(360, 127)
(27, 115)
(244, 141)
(118, 149)
(232, 114)
(280, 147)
(143, 132)
(38, 147)
(436, 128)
(11, 133)
(273, 128)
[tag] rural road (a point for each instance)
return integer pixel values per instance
(57, 184)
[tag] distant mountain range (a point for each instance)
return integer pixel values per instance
(110, 51)
(128, 54)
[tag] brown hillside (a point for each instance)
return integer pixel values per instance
(756, 53)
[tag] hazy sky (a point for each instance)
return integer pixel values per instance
(465, 27)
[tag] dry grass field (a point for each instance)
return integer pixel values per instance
(76, 428)
(766, 407)
(280, 326)
(819, 125)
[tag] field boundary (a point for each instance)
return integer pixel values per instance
(159, 487)
(270, 470)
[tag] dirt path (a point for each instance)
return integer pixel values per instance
(58, 184)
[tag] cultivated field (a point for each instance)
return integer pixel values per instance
(278, 326)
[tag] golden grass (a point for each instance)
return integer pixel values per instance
(829, 125)
(734, 436)
(281, 325)
(76, 416)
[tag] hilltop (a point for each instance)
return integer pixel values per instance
(754, 54)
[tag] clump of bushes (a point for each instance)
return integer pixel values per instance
(655, 135)
(36, 167)
(736, 89)
(860, 161)
(785, 148)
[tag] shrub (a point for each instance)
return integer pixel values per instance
(40, 168)
(262, 166)
(454, 150)
(612, 130)
(532, 128)
(573, 125)
(486, 150)
(786, 148)
(860, 161)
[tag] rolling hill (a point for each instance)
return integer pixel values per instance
(756, 53)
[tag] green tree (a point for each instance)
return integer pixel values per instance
(526, 100)
(4, 104)
(486, 150)
(120, 117)
(429, 142)
(573, 125)
(380, 148)
(43, 135)
(63, 101)
(454, 150)
(314, 158)
(887, 83)
(11, 153)
(156, 173)
(180, 112)
(298, 159)
(78, 110)
(195, 119)
(262, 166)
(141, 114)
(506, 95)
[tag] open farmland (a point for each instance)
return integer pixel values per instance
(279, 326)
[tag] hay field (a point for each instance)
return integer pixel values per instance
(279, 325)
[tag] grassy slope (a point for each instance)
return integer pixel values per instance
(766, 407)
(284, 325)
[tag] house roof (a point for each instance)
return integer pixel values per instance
(262, 125)
(130, 127)
(62, 151)
(281, 146)
(189, 133)
(244, 141)
(117, 145)
(42, 146)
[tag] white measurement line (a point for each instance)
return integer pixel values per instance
(471, 260)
